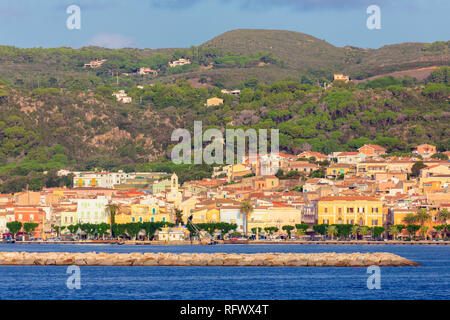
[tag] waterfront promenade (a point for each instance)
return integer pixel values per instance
(249, 242)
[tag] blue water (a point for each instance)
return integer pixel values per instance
(430, 281)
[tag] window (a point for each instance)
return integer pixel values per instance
(325, 209)
(339, 210)
(325, 221)
(374, 222)
(133, 219)
(375, 210)
(350, 221)
(31, 217)
(349, 210)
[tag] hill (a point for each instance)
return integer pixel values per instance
(56, 114)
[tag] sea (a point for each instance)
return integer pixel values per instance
(429, 281)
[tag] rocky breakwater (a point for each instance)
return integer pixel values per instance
(205, 259)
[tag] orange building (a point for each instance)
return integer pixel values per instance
(424, 149)
(372, 150)
(35, 214)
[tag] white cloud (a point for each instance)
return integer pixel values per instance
(112, 41)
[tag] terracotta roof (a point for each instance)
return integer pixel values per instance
(347, 198)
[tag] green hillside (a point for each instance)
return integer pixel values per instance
(56, 114)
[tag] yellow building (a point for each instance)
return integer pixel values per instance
(206, 215)
(214, 102)
(143, 213)
(341, 77)
(359, 210)
(274, 216)
(69, 217)
(336, 169)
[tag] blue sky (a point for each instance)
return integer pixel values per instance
(182, 23)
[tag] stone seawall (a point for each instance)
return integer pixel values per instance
(205, 259)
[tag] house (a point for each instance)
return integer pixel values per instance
(94, 64)
(92, 210)
(179, 233)
(311, 154)
(121, 96)
(34, 214)
(337, 169)
(301, 167)
(214, 102)
(145, 70)
(350, 157)
(235, 92)
(425, 150)
(361, 210)
(372, 150)
(341, 77)
(435, 170)
(265, 183)
(179, 62)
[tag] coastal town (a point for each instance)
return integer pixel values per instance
(366, 194)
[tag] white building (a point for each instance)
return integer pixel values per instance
(350, 157)
(100, 179)
(92, 210)
(179, 62)
(121, 96)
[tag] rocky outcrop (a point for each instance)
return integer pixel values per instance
(205, 259)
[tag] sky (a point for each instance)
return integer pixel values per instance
(183, 23)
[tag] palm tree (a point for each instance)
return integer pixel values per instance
(354, 232)
(423, 216)
(246, 209)
(393, 231)
(444, 215)
(332, 231)
(410, 218)
(111, 209)
(364, 230)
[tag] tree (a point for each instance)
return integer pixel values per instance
(424, 230)
(320, 228)
(288, 229)
(301, 229)
(178, 217)
(111, 209)
(364, 231)
(73, 228)
(412, 229)
(133, 229)
(415, 169)
(332, 231)
(57, 229)
(14, 227)
(393, 231)
(246, 209)
(102, 229)
(444, 215)
(377, 231)
(354, 232)
(423, 216)
(410, 218)
(29, 227)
